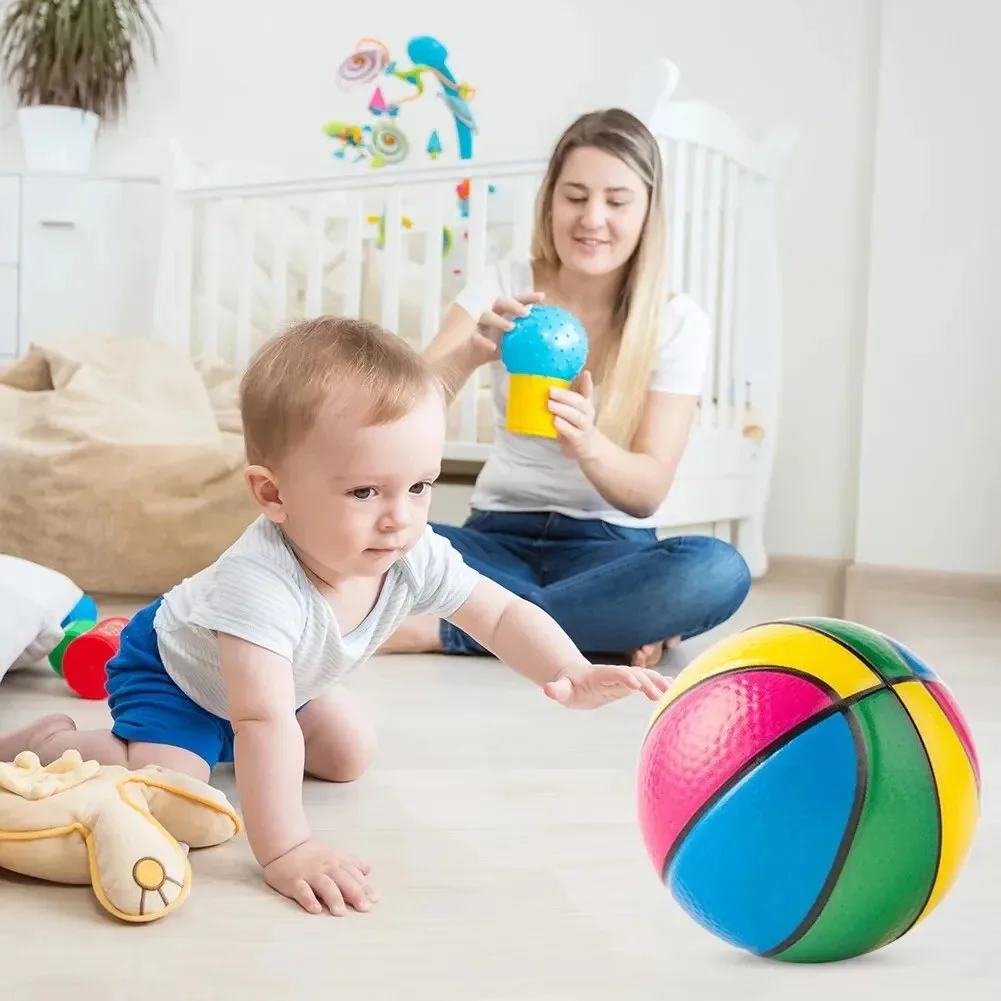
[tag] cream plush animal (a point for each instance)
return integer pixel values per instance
(123, 832)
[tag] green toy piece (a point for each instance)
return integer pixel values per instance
(72, 630)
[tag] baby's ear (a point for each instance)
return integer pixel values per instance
(264, 489)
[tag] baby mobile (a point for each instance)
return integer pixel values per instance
(385, 143)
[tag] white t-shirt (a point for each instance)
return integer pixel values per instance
(526, 473)
(257, 590)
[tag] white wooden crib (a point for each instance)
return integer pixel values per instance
(246, 251)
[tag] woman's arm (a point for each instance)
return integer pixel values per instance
(636, 480)
(452, 353)
(465, 342)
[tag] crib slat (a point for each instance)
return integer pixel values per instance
(679, 218)
(742, 320)
(525, 192)
(697, 262)
(210, 261)
(392, 262)
(433, 263)
(244, 289)
(182, 277)
(724, 369)
(353, 255)
(476, 225)
(314, 259)
(279, 263)
(714, 215)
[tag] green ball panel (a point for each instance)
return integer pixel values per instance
(891, 862)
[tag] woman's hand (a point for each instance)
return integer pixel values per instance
(573, 417)
(496, 322)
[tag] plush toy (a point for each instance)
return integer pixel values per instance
(36, 603)
(126, 833)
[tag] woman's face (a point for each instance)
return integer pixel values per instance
(599, 208)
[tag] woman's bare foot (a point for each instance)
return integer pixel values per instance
(649, 655)
(417, 634)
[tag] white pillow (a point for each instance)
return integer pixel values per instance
(34, 600)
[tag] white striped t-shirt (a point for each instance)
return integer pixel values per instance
(258, 591)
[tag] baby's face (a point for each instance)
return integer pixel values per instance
(356, 498)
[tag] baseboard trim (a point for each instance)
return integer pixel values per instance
(823, 578)
(863, 580)
(847, 588)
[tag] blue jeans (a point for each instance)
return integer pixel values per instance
(612, 589)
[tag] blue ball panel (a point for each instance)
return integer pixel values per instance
(550, 341)
(913, 661)
(752, 867)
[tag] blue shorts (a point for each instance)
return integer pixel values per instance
(147, 706)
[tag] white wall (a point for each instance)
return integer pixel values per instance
(255, 79)
(930, 483)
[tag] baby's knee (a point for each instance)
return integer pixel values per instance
(343, 756)
(357, 756)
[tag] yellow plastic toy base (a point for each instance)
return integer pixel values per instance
(528, 405)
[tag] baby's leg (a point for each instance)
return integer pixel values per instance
(51, 735)
(340, 739)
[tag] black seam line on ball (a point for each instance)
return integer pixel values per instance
(777, 668)
(891, 684)
(844, 848)
(845, 645)
(766, 752)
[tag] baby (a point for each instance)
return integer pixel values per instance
(344, 427)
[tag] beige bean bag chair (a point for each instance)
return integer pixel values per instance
(122, 463)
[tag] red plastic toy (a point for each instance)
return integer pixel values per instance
(86, 657)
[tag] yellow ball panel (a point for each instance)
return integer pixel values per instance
(958, 797)
(777, 644)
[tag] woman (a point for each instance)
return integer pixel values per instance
(567, 523)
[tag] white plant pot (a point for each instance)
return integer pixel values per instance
(57, 139)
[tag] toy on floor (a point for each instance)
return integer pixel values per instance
(82, 658)
(36, 605)
(124, 833)
(547, 348)
(808, 790)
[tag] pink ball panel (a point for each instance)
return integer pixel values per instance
(706, 737)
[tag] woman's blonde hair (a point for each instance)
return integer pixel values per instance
(643, 292)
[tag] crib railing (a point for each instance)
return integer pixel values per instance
(242, 258)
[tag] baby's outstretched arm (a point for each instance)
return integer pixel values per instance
(269, 757)
(532, 643)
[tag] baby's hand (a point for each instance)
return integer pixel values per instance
(588, 686)
(313, 875)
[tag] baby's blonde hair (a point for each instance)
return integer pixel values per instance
(292, 374)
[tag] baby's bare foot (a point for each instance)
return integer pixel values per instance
(35, 737)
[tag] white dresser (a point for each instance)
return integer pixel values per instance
(78, 256)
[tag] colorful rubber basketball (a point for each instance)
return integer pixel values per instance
(808, 790)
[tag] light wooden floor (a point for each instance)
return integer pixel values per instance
(501, 831)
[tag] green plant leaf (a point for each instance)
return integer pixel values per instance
(78, 53)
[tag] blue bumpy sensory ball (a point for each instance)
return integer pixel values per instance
(550, 342)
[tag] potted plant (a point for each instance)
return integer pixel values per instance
(70, 62)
